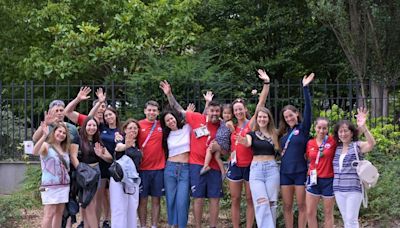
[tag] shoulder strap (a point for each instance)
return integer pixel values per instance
(60, 157)
(150, 133)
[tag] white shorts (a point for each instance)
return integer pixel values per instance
(55, 195)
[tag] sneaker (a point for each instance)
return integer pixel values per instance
(106, 224)
(204, 170)
(80, 225)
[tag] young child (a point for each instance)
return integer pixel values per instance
(222, 138)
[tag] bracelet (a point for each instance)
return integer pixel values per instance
(266, 83)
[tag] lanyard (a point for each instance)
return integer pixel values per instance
(288, 141)
(150, 133)
(321, 149)
(209, 133)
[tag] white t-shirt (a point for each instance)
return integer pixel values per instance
(179, 141)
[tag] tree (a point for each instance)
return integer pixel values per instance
(368, 33)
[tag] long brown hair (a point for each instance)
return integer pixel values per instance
(270, 126)
(52, 139)
(283, 126)
(85, 144)
(113, 110)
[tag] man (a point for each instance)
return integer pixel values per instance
(55, 114)
(151, 170)
(99, 106)
(204, 130)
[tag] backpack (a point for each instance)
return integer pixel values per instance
(367, 173)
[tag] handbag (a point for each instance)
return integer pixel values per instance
(367, 173)
(116, 171)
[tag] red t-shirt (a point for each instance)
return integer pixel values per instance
(198, 146)
(153, 153)
(244, 155)
(324, 167)
(81, 119)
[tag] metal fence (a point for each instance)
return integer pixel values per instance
(22, 105)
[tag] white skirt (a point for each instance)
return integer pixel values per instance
(55, 195)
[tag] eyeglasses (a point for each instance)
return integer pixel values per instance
(56, 103)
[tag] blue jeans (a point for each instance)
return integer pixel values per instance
(176, 183)
(264, 186)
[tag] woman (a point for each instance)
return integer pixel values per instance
(124, 206)
(294, 135)
(107, 136)
(346, 184)
(241, 156)
(91, 152)
(320, 152)
(54, 157)
(264, 171)
(176, 144)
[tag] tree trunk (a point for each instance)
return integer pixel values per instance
(376, 99)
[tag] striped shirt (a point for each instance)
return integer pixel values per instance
(346, 179)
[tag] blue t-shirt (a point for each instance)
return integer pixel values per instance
(223, 137)
(293, 160)
(107, 136)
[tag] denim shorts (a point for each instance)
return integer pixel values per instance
(323, 188)
(298, 179)
(236, 173)
(208, 185)
(152, 183)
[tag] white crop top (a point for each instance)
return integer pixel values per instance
(179, 141)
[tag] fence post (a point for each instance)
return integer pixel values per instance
(25, 109)
(1, 117)
(32, 106)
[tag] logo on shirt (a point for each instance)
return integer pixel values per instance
(296, 132)
(327, 145)
(104, 132)
(159, 129)
(143, 129)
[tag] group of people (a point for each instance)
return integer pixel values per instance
(178, 155)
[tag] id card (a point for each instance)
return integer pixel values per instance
(313, 177)
(201, 131)
(233, 158)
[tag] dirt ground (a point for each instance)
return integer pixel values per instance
(32, 218)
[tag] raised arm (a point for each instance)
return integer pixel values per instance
(307, 102)
(49, 118)
(368, 145)
(41, 146)
(69, 110)
(208, 96)
(166, 88)
(264, 93)
(101, 96)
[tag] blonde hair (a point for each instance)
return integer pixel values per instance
(67, 141)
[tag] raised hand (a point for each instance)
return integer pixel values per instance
(83, 93)
(208, 96)
(101, 95)
(191, 107)
(129, 140)
(263, 75)
(98, 149)
(166, 87)
(361, 116)
(45, 128)
(242, 140)
(308, 79)
(49, 117)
